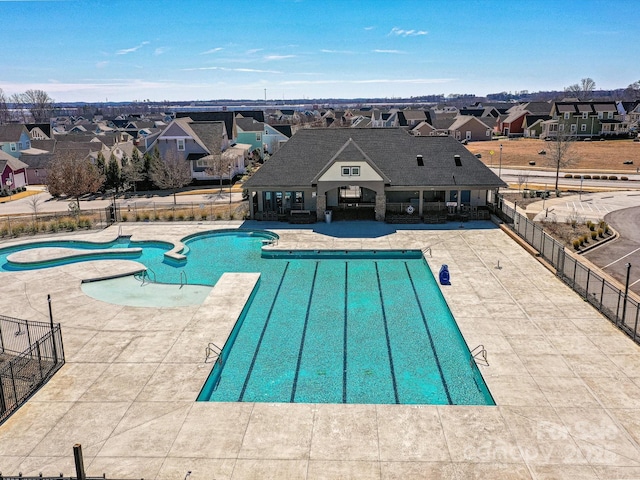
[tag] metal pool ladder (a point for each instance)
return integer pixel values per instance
(479, 354)
(212, 352)
(425, 250)
(183, 274)
(146, 274)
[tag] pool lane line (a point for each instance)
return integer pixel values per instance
(386, 334)
(426, 326)
(345, 333)
(264, 329)
(304, 334)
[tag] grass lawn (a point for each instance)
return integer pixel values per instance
(592, 157)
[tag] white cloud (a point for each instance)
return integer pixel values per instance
(343, 52)
(159, 51)
(278, 57)
(369, 28)
(125, 51)
(102, 64)
(213, 50)
(253, 51)
(395, 52)
(225, 69)
(407, 33)
(381, 81)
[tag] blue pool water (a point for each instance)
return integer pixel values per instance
(325, 327)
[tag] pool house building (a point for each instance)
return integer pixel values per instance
(370, 174)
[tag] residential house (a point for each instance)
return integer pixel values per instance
(369, 171)
(39, 131)
(532, 125)
(14, 138)
(380, 119)
(589, 119)
(228, 117)
(202, 144)
(411, 118)
(12, 172)
(262, 137)
(511, 123)
(470, 128)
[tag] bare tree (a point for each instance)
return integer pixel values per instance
(523, 179)
(19, 106)
(34, 203)
(218, 166)
(40, 105)
(560, 150)
(583, 90)
(73, 175)
(171, 173)
(632, 92)
(4, 110)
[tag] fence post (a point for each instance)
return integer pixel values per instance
(601, 295)
(55, 352)
(3, 402)
(39, 360)
(79, 461)
(626, 293)
(13, 382)
(586, 293)
(635, 327)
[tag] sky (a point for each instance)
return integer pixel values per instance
(179, 50)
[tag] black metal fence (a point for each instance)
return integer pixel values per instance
(611, 301)
(30, 353)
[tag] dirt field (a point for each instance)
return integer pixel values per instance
(591, 157)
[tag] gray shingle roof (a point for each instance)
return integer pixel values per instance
(392, 150)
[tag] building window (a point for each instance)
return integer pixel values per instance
(258, 137)
(14, 147)
(583, 127)
(574, 128)
(600, 116)
(567, 115)
(610, 116)
(180, 142)
(561, 127)
(585, 115)
(350, 171)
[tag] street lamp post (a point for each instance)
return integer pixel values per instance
(500, 164)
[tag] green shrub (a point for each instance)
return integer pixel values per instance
(613, 177)
(138, 217)
(594, 235)
(125, 217)
(600, 232)
(145, 217)
(576, 244)
(595, 177)
(568, 175)
(203, 216)
(170, 217)
(624, 178)
(4, 232)
(587, 177)
(181, 216)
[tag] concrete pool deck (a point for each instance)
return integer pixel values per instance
(566, 382)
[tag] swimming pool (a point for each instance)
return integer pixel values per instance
(325, 326)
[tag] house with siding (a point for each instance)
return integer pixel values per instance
(205, 146)
(263, 138)
(371, 172)
(14, 138)
(585, 120)
(13, 172)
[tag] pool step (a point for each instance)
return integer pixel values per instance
(479, 354)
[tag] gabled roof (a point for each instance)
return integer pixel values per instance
(462, 120)
(249, 125)
(284, 129)
(13, 163)
(11, 132)
(350, 152)
(44, 127)
(392, 150)
(226, 117)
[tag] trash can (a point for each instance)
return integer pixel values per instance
(327, 216)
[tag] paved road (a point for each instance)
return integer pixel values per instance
(548, 178)
(613, 256)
